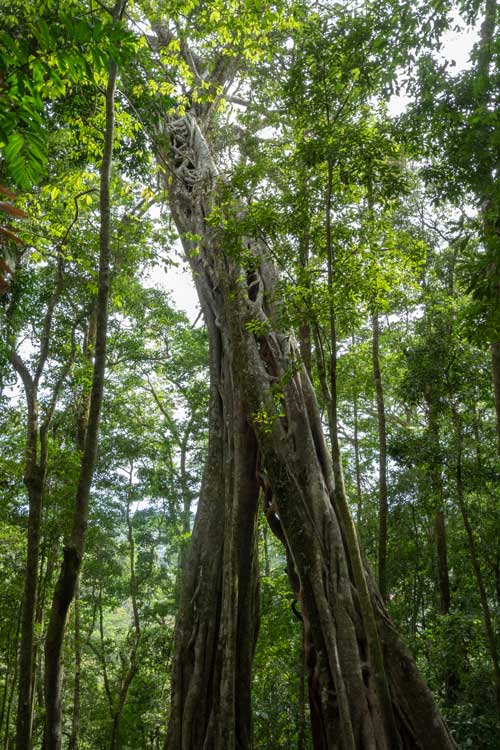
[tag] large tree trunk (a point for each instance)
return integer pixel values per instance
(217, 623)
(218, 617)
(371, 695)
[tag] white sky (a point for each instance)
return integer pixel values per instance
(179, 281)
(457, 46)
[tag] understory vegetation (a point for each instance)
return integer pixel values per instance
(333, 243)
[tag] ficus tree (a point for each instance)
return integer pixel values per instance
(265, 428)
(256, 134)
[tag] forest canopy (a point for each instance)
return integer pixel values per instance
(273, 523)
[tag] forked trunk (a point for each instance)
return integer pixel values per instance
(371, 696)
(217, 624)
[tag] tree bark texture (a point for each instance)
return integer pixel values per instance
(371, 696)
(217, 623)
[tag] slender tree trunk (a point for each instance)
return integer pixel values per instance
(26, 664)
(383, 507)
(37, 693)
(259, 388)
(305, 327)
(490, 207)
(122, 698)
(35, 470)
(357, 463)
(13, 685)
(442, 561)
(83, 416)
(181, 440)
(73, 552)
(496, 569)
(333, 416)
(9, 708)
(75, 717)
(450, 678)
(416, 577)
(436, 479)
(495, 359)
(5, 690)
(34, 479)
(10, 669)
(186, 506)
(101, 654)
(133, 665)
(488, 623)
(265, 542)
(321, 370)
(43, 577)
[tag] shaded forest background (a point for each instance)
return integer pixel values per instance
(386, 233)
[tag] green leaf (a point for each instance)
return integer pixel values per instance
(14, 146)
